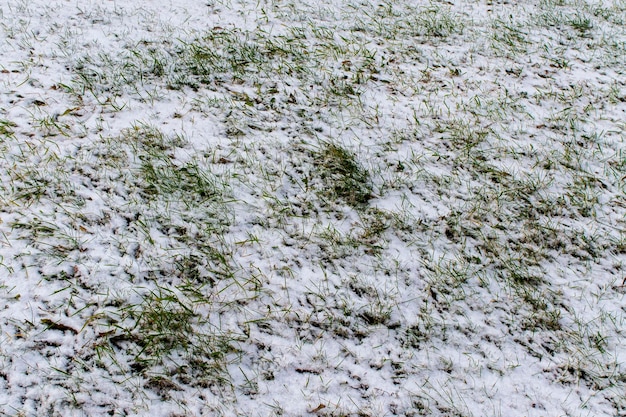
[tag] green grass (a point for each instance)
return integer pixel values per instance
(509, 37)
(6, 128)
(387, 175)
(171, 341)
(342, 176)
(223, 56)
(393, 22)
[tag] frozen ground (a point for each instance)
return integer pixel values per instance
(334, 208)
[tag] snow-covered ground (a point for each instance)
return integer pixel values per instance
(334, 208)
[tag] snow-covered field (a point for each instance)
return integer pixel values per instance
(333, 208)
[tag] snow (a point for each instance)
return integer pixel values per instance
(172, 242)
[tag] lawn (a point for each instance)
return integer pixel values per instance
(331, 208)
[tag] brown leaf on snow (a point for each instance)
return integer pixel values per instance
(318, 408)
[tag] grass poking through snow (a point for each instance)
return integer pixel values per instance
(277, 208)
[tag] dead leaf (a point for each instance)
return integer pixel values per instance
(318, 408)
(58, 326)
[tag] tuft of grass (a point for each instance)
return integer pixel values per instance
(6, 128)
(171, 340)
(160, 178)
(393, 22)
(581, 23)
(438, 22)
(188, 183)
(342, 176)
(509, 37)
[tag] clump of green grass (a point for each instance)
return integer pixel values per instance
(581, 23)
(218, 56)
(392, 22)
(509, 38)
(146, 139)
(171, 340)
(437, 22)
(423, 329)
(6, 128)
(163, 323)
(342, 175)
(166, 179)
(162, 178)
